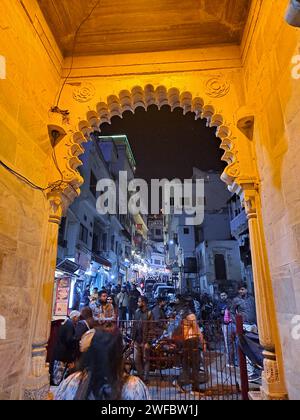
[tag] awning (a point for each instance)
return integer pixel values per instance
(101, 260)
(67, 266)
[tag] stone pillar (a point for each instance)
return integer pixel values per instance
(65, 182)
(273, 386)
(37, 383)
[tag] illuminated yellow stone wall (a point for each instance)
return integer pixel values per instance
(275, 97)
(33, 76)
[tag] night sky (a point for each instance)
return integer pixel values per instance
(167, 144)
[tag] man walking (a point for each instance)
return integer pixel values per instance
(141, 338)
(133, 301)
(244, 305)
(123, 301)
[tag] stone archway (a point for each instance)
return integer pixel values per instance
(148, 96)
(240, 175)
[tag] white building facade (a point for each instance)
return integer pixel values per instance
(101, 245)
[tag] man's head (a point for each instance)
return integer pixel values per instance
(103, 297)
(142, 302)
(178, 298)
(161, 301)
(95, 290)
(124, 289)
(223, 296)
(74, 316)
(243, 289)
(86, 313)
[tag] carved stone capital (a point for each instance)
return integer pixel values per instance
(250, 203)
(65, 180)
(56, 208)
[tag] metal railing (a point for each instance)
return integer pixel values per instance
(189, 364)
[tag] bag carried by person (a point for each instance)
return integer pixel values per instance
(227, 317)
(86, 340)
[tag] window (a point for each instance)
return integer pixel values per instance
(158, 232)
(172, 201)
(220, 267)
(93, 184)
(186, 231)
(157, 262)
(83, 234)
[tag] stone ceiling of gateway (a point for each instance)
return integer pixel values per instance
(133, 26)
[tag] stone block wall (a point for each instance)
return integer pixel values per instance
(274, 95)
(32, 71)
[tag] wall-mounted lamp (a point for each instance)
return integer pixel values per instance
(293, 13)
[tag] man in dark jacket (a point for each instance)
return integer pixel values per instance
(158, 311)
(134, 295)
(244, 304)
(141, 336)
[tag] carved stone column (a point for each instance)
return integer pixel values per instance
(64, 189)
(37, 383)
(273, 386)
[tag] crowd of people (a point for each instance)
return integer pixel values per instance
(88, 361)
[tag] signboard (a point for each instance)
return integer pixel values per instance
(62, 297)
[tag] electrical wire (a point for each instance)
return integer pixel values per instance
(22, 178)
(73, 49)
(50, 187)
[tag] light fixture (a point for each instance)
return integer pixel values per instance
(293, 13)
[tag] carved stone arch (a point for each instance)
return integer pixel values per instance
(129, 100)
(240, 175)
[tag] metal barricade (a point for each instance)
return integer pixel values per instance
(183, 366)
